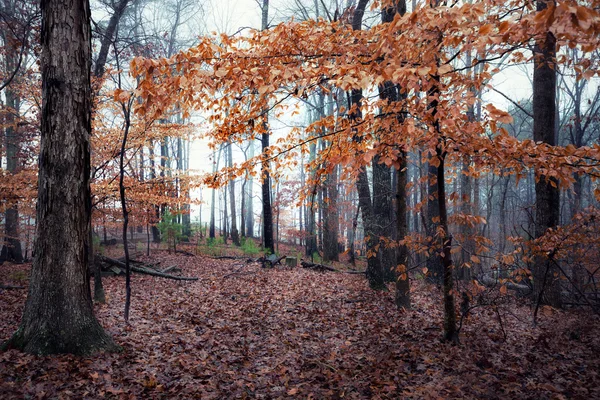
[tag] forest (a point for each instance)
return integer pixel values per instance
(300, 199)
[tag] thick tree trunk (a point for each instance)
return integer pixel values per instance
(58, 315)
(546, 282)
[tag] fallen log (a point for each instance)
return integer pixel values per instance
(317, 267)
(519, 288)
(143, 270)
(272, 260)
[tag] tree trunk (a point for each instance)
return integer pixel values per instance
(235, 236)
(126, 115)
(58, 315)
(395, 261)
(211, 229)
(546, 282)
(11, 250)
(402, 297)
(156, 208)
(331, 222)
(375, 273)
(268, 243)
(434, 262)
(249, 199)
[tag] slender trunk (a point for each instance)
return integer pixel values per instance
(125, 211)
(266, 178)
(235, 237)
(250, 201)
(156, 209)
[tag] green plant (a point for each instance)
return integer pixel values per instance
(249, 247)
(170, 230)
(316, 257)
(97, 245)
(18, 276)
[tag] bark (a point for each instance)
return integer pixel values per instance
(434, 263)
(58, 315)
(395, 261)
(546, 283)
(450, 330)
(249, 199)
(382, 209)
(211, 229)
(107, 37)
(331, 218)
(11, 250)
(126, 115)
(330, 194)
(266, 178)
(311, 238)
(235, 236)
(105, 43)
(156, 208)
(402, 296)
(374, 272)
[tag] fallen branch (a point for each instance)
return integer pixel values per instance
(172, 268)
(161, 275)
(229, 258)
(186, 253)
(143, 270)
(11, 287)
(317, 267)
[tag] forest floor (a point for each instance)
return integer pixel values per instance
(242, 331)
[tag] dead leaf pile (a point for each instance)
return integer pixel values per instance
(246, 332)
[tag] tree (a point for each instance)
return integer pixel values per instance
(315, 56)
(268, 241)
(58, 315)
(547, 195)
(235, 237)
(16, 26)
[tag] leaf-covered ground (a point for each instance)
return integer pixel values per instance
(246, 332)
